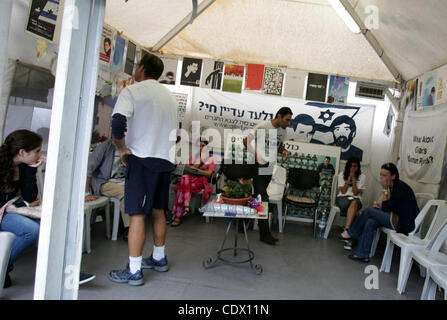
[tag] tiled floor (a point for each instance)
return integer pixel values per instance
(299, 267)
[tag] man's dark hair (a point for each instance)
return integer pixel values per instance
(304, 119)
(344, 119)
(284, 111)
(153, 66)
(391, 167)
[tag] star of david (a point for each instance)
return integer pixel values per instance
(326, 115)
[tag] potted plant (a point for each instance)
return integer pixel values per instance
(237, 192)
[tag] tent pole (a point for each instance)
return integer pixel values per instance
(181, 25)
(61, 229)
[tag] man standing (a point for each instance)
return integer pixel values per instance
(150, 112)
(264, 176)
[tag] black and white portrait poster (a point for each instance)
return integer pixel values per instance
(273, 80)
(169, 70)
(212, 74)
(130, 57)
(316, 87)
(43, 19)
(348, 127)
(191, 71)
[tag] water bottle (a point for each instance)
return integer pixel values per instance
(322, 225)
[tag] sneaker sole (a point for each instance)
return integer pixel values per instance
(129, 282)
(156, 268)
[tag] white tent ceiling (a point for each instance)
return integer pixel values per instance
(302, 34)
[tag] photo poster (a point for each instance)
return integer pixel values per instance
(191, 72)
(410, 95)
(349, 127)
(312, 157)
(429, 89)
(130, 57)
(182, 99)
(316, 87)
(118, 54)
(254, 77)
(389, 122)
(294, 83)
(106, 47)
(44, 19)
(441, 96)
(273, 81)
(233, 78)
(419, 93)
(169, 74)
(338, 90)
(423, 146)
(212, 74)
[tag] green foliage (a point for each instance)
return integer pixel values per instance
(237, 190)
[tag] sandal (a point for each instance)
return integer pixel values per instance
(176, 222)
(356, 258)
(186, 210)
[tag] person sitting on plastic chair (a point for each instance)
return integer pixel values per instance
(397, 211)
(351, 183)
(201, 168)
(105, 176)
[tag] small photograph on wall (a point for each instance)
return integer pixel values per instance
(212, 74)
(316, 87)
(118, 54)
(441, 96)
(429, 89)
(409, 101)
(169, 70)
(273, 81)
(389, 122)
(338, 90)
(294, 84)
(130, 58)
(254, 77)
(233, 77)
(105, 49)
(43, 19)
(191, 72)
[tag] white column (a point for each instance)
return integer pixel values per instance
(5, 21)
(60, 240)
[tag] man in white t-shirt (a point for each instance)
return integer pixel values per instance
(275, 134)
(149, 111)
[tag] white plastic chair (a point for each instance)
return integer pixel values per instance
(88, 208)
(436, 276)
(116, 216)
(422, 199)
(6, 240)
(428, 258)
(412, 242)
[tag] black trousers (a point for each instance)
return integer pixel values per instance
(260, 184)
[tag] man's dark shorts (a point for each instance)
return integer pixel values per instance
(343, 202)
(145, 188)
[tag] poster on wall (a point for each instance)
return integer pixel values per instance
(294, 84)
(254, 76)
(316, 87)
(182, 99)
(169, 70)
(130, 58)
(423, 146)
(273, 81)
(347, 127)
(212, 74)
(105, 49)
(233, 77)
(118, 54)
(191, 71)
(441, 95)
(389, 122)
(429, 89)
(338, 90)
(43, 19)
(410, 95)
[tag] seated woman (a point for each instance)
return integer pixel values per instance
(397, 211)
(351, 183)
(190, 184)
(19, 159)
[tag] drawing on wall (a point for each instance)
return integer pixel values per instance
(273, 80)
(212, 74)
(191, 71)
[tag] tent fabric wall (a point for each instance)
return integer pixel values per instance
(4, 99)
